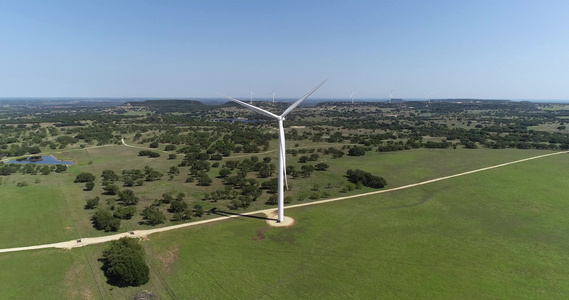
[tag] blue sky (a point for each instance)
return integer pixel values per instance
(464, 49)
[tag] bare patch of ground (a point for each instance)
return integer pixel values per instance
(260, 234)
(169, 257)
(75, 289)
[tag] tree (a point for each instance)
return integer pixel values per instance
(104, 220)
(321, 166)
(153, 215)
(167, 198)
(124, 264)
(357, 151)
(224, 172)
(365, 178)
(84, 177)
(89, 185)
(125, 212)
(203, 179)
(92, 203)
(111, 189)
(198, 210)
(60, 168)
(109, 175)
(153, 176)
(174, 170)
(180, 210)
(45, 170)
(128, 197)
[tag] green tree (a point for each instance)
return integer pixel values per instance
(321, 166)
(60, 168)
(109, 175)
(45, 170)
(178, 206)
(111, 189)
(224, 172)
(198, 210)
(125, 212)
(357, 151)
(89, 185)
(203, 179)
(128, 197)
(124, 263)
(92, 203)
(84, 177)
(104, 220)
(153, 215)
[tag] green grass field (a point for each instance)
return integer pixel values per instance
(495, 234)
(59, 203)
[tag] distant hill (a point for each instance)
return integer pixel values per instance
(171, 105)
(466, 100)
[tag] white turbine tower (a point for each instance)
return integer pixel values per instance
(251, 94)
(352, 96)
(428, 97)
(282, 149)
(273, 96)
(390, 96)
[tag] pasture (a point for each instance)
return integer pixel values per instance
(495, 234)
(53, 210)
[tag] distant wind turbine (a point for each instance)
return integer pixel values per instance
(273, 96)
(429, 97)
(251, 94)
(282, 150)
(390, 96)
(352, 96)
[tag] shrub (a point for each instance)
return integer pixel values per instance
(84, 177)
(125, 212)
(365, 178)
(92, 203)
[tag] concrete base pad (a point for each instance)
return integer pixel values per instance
(287, 222)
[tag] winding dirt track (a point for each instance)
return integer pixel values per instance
(268, 212)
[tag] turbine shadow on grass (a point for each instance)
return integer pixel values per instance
(226, 214)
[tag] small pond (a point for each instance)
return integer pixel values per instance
(42, 160)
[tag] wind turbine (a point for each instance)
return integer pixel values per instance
(352, 96)
(282, 152)
(251, 94)
(273, 96)
(428, 97)
(390, 95)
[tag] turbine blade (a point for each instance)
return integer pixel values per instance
(251, 107)
(295, 104)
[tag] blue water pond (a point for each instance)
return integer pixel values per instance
(42, 160)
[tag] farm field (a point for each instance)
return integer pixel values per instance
(502, 237)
